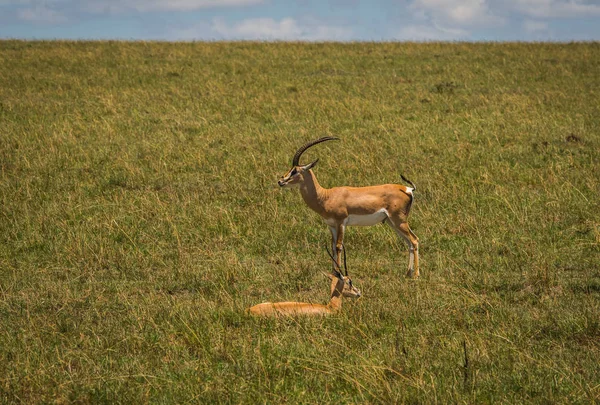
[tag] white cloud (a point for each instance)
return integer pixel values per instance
(429, 33)
(535, 27)
(442, 20)
(41, 14)
(116, 6)
(54, 10)
(456, 12)
(284, 29)
(485, 12)
(455, 19)
(556, 8)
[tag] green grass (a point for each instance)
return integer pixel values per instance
(139, 216)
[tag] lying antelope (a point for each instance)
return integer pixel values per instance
(341, 286)
(355, 206)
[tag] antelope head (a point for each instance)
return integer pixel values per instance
(349, 290)
(295, 176)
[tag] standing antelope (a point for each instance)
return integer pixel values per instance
(341, 286)
(360, 206)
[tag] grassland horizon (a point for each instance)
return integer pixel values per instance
(140, 215)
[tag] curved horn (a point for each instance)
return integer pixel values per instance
(338, 271)
(299, 152)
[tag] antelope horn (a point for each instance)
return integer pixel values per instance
(296, 160)
(345, 265)
(338, 272)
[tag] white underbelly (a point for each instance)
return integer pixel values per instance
(366, 220)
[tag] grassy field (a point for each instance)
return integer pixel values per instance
(140, 215)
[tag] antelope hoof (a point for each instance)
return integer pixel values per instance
(411, 274)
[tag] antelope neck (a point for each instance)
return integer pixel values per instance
(335, 302)
(313, 194)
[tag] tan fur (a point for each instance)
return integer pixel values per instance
(339, 288)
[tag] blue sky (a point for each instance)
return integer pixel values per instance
(304, 20)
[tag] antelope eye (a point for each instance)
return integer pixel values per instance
(293, 173)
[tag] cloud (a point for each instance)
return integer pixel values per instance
(117, 6)
(456, 12)
(41, 14)
(443, 20)
(460, 19)
(477, 13)
(456, 19)
(535, 27)
(55, 11)
(429, 33)
(284, 29)
(556, 8)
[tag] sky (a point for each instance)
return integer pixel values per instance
(302, 20)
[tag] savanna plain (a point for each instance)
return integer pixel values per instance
(140, 215)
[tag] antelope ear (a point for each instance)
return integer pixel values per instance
(310, 165)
